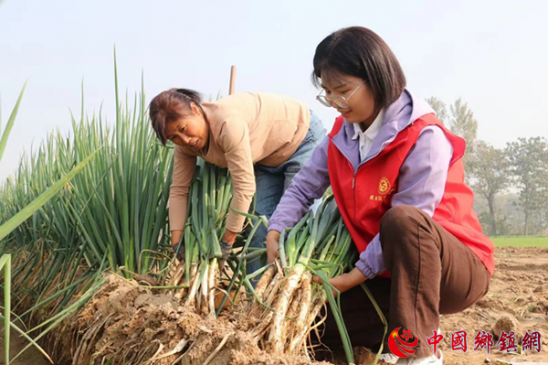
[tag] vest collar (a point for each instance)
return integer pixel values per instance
(400, 114)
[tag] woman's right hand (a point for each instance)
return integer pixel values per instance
(176, 242)
(176, 237)
(272, 246)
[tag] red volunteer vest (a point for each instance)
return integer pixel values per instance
(365, 197)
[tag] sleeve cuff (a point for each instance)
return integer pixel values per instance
(365, 269)
(371, 261)
(276, 227)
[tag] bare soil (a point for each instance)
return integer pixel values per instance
(518, 295)
(18, 343)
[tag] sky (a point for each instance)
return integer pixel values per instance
(492, 54)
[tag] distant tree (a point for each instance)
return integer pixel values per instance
(486, 221)
(509, 216)
(529, 165)
(490, 169)
(439, 107)
(462, 122)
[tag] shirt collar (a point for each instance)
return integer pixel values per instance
(371, 132)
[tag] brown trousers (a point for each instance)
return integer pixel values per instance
(431, 273)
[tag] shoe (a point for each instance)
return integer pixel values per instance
(430, 360)
(388, 358)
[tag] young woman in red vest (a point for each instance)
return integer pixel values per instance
(397, 175)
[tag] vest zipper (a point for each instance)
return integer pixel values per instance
(355, 197)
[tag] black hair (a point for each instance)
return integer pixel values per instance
(359, 52)
(170, 105)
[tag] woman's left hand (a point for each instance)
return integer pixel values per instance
(230, 236)
(226, 248)
(346, 281)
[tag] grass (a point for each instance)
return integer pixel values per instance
(521, 241)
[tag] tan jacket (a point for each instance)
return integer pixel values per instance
(244, 129)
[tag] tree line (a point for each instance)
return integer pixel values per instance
(510, 184)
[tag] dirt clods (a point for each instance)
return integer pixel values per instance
(506, 323)
(126, 322)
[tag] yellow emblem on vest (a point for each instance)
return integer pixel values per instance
(384, 186)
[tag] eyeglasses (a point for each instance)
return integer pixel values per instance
(338, 100)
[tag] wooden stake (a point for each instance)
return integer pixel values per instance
(232, 80)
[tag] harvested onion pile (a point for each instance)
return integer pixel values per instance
(287, 300)
(195, 279)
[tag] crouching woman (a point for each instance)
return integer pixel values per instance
(397, 175)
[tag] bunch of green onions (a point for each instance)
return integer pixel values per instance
(195, 279)
(287, 300)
